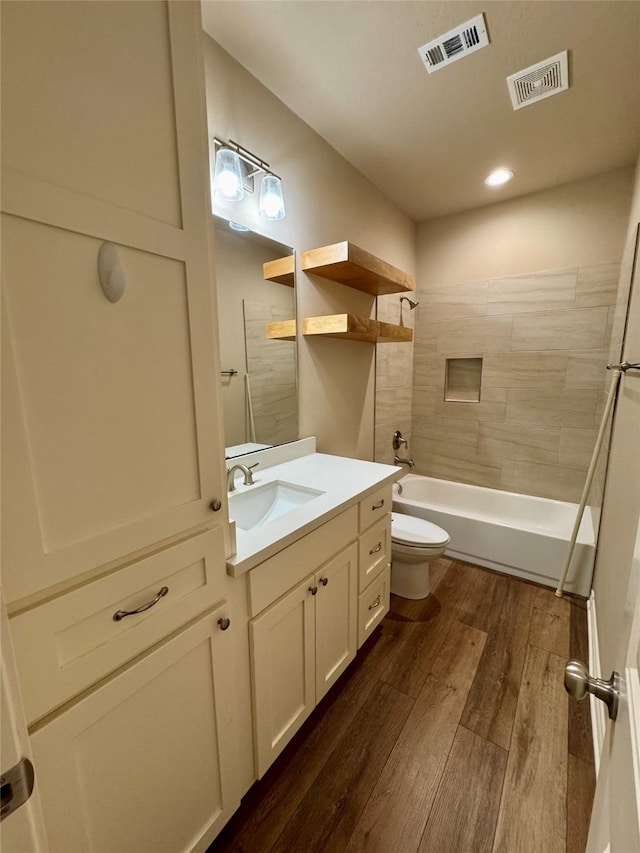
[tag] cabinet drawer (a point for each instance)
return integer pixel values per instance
(68, 643)
(373, 507)
(373, 604)
(374, 552)
(274, 577)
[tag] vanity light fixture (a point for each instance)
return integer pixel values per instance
(234, 174)
(498, 177)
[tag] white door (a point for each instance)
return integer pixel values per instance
(615, 824)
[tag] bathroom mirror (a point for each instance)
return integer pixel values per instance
(259, 375)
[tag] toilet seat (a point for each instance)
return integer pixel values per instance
(407, 531)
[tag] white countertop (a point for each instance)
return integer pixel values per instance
(343, 481)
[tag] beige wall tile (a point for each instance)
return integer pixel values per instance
(428, 369)
(392, 403)
(576, 447)
(524, 370)
(539, 292)
(476, 335)
(454, 468)
(587, 369)
(426, 399)
(597, 285)
(528, 442)
(451, 432)
(570, 408)
(547, 481)
(444, 302)
(578, 329)
(425, 337)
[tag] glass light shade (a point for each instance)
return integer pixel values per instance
(227, 179)
(271, 199)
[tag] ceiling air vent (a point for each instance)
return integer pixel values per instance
(540, 81)
(459, 42)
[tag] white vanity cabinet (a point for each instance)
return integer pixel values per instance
(146, 761)
(312, 609)
(304, 631)
(374, 560)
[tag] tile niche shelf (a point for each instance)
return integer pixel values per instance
(347, 264)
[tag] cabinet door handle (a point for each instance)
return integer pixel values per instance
(378, 506)
(224, 623)
(324, 581)
(375, 550)
(120, 614)
(375, 604)
(313, 590)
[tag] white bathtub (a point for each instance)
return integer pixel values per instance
(517, 534)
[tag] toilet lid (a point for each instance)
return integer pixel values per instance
(409, 530)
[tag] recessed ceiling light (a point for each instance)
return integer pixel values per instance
(498, 177)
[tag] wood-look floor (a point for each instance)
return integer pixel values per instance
(451, 732)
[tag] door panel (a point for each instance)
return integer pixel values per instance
(84, 380)
(145, 762)
(336, 618)
(116, 142)
(282, 653)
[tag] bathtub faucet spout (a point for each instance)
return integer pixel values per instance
(408, 462)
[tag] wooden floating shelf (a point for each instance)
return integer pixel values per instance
(350, 265)
(283, 330)
(348, 327)
(389, 333)
(282, 270)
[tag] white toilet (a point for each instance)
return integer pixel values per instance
(414, 541)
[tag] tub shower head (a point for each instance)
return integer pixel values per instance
(412, 304)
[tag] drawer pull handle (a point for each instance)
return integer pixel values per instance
(375, 604)
(313, 590)
(324, 581)
(375, 550)
(378, 506)
(120, 614)
(224, 623)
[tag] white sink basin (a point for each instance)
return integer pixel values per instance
(258, 505)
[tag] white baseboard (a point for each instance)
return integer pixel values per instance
(598, 716)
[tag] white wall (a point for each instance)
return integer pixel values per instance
(327, 201)
(575, 225)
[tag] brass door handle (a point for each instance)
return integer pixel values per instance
(375, 604)
(375, 550)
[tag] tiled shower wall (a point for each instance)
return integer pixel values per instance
(394, 381)
(544, 343)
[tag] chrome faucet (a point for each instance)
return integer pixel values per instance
(408, 462)
(246, 470)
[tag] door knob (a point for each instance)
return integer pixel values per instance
(578, 683)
